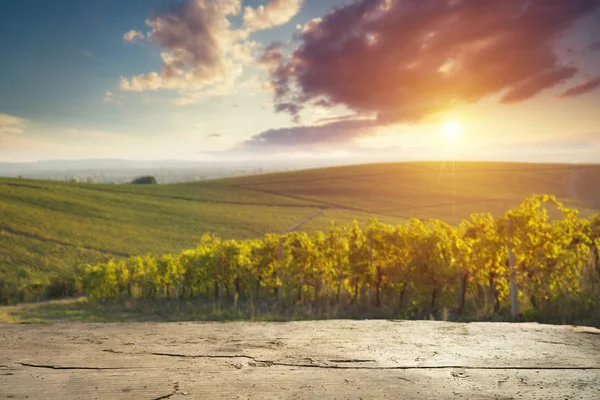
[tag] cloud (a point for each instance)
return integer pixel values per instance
(109, 98)
(328, 138)
(11, 125)
(330, 135)
(276, 13)
(92, 134)
(594, 47)
(195, 36)
(189, 97)
(582, 88)
(11, 130)
(202, 54)
(584, 141)
(339, 118)
(538, 83)
(405, 60)
(132, 36)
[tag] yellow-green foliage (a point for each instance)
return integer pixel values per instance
(415, 267)
(49, 228)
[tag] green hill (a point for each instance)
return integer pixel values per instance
(48, 226)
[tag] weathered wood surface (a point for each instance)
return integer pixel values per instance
(321, 359)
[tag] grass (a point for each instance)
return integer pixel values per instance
(170, 310)
(49, 226)
(46, 225)
(434, 190)
(84, 310)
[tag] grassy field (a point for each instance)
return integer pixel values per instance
(433, 190)
(48, 226)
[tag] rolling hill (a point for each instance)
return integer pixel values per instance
(47, 226)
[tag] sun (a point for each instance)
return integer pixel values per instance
(451, 130)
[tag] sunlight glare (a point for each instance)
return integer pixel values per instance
(451, 130)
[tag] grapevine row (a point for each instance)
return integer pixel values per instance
(418, 266)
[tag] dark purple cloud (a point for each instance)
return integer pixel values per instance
(585, 87)
(333, 134)
(533, 86)
(407, 59)
(594, 47)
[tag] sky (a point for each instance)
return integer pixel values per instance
(389, 80)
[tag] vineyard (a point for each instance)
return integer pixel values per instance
(430, 251)
(47, 227)
(416, 269)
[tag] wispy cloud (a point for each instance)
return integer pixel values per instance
(538, 83)
(11, 125)
(332, 135)
(92, 134)
(109, 98)
(594, 47)
(582, 88)
(88, 53)
(133, 36)
(275, 13)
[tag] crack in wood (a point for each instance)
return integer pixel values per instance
(258, 362)
(168, 396)
(66, 368)
(552, 342)
(351, 361)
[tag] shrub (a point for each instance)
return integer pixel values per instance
(144, 180)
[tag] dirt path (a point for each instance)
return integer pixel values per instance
(304, 221)
(321, 359)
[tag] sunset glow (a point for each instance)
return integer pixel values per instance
(254, 79)
(168, 165)
(451, 130)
